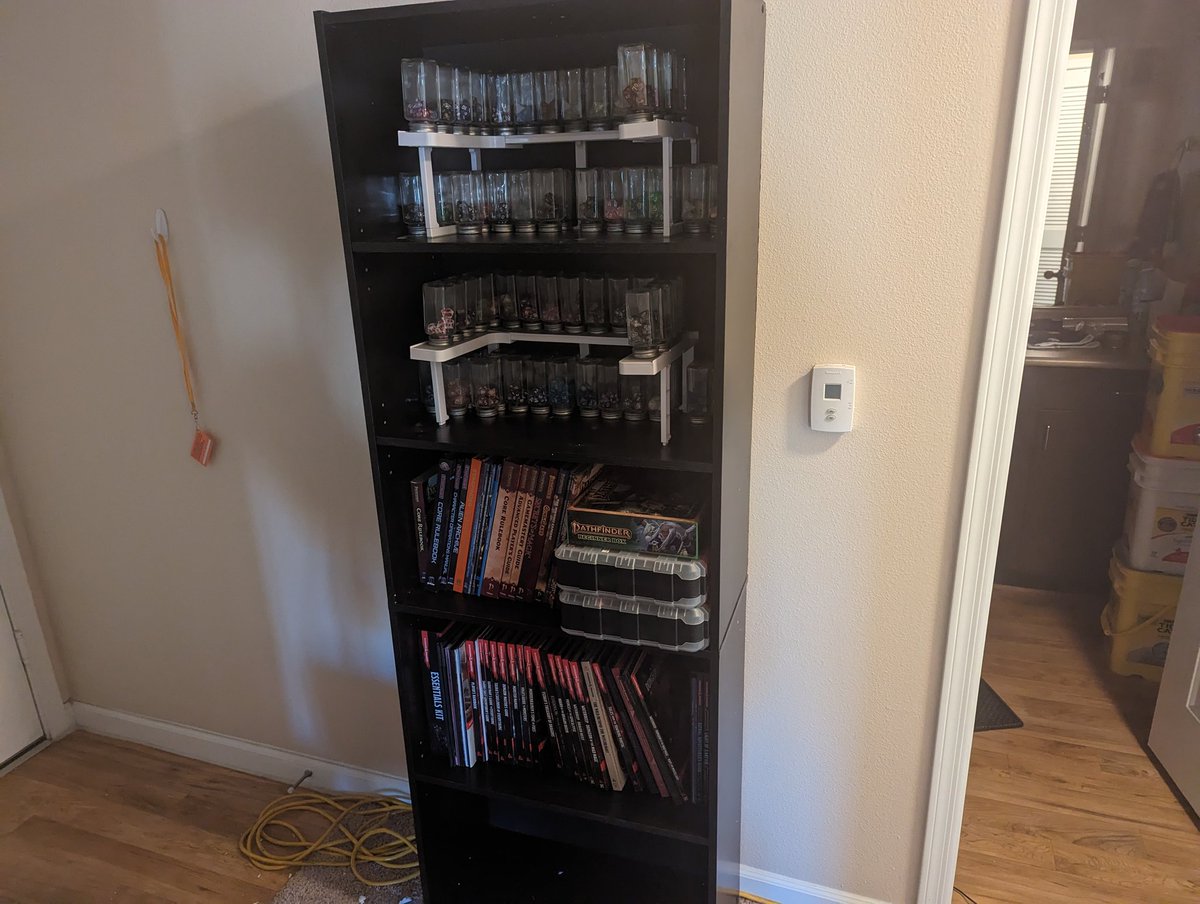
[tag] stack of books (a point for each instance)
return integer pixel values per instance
(617, 719)
(489, 526)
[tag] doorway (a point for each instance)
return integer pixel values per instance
(1072, 805)
(20, 725)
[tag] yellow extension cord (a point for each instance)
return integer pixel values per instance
(275, 842)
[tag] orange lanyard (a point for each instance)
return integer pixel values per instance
(202, 443)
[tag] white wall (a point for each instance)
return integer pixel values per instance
(248, 598)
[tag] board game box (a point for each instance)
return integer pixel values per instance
(639, 511)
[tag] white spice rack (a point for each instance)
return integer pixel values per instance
(661, 365)
(665, 131)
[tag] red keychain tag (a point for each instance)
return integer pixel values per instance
(202, 447)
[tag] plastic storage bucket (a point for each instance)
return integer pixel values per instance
(1138, 619)
(1164, 498)
(1171, 424)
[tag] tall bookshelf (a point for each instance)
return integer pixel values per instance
(493, 833)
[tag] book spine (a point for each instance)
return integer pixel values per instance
(640, 730)
(705, 737)
(583, 710)
(500, 531)
(462, 550)
(489, 514)
(453, 703)
(454, 527)
(435, 710)
(512, 548)
(420, 525)
(553, 730)
(438, 525)
(616, 775)
(475, 677)
(669, 773)
(485, 701)
(527, 581)
(617, 727)
(478, 526)
(505, 703)
(466, 693)
(574, 734)
(552, 518)
(520, 704)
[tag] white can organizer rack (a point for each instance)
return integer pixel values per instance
(661, 365)
(663, 130)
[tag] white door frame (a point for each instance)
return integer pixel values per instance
(56, 715)
(1047, 43)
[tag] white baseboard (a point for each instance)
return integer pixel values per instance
(234, 753)
(287, 766)
(781, 889)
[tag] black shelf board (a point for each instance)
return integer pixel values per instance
(481, 610)
(563, 243)
(526, 616)
(627, 809)
(573, 439)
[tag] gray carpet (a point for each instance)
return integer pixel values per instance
(329, 885)
(322, 885)
(992, 713)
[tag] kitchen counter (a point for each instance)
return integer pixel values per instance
(1131, 358)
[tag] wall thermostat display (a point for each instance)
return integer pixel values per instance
(832, 398)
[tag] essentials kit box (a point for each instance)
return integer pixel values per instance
(640, 512)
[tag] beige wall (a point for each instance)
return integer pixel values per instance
(248, 598)
(878, 205)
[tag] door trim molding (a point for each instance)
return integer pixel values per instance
(56, 716)
(1047, 42)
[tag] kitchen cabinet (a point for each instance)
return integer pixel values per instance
(1068, 481)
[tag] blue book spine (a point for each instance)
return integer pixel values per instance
(490, 511)
(485, 475)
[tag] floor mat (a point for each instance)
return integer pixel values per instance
(993, 713)
(325, 885)
(337, 885)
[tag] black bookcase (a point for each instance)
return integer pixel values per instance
(501, 834)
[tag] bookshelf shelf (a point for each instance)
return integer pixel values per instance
(498, 831)
(547, 791)
(479, 610)
(377, 241)
(573, 439)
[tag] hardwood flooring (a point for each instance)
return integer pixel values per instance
(1069, 808)
(90, 819)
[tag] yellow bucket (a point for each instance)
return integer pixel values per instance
(1171, 424)
(1138, 619)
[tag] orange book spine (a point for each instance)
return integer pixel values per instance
(460, 567)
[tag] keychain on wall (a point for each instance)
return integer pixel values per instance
(202, 442)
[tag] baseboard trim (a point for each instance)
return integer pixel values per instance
(236, 753)
(783, 890)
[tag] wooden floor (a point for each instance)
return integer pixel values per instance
(1069, 808)
(90, 819)
(94, 820)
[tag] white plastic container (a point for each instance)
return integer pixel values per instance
(1164, 498)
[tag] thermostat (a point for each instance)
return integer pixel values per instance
(832, 398)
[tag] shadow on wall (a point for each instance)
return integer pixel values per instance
(246, 598)
(302, 436)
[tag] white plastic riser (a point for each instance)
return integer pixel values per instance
(660, 365)
(663, 130)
